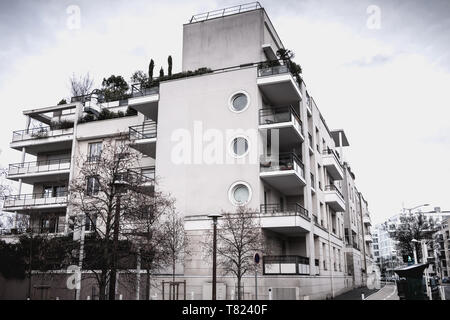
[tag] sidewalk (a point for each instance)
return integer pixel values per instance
(355, 294)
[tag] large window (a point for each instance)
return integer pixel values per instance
(94, 151)
(93, 186)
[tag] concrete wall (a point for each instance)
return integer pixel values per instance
(205, 100)
(229, 41)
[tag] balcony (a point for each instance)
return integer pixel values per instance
(286, 119)
(143, 138)
(334, 198)
(35, 201)
(285, 265)
(366, 220)
(278, 85)
(290, 219)
(331, 161)
(42, 139)
(368, 238)
(284, 172)
(145, 100)
(142, 180)
(40, 171)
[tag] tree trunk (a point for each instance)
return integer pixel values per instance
(173, 279)
(239, 287)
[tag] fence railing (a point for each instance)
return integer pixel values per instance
(225, 12)
(38, 166)
(139, 90)
(39, 133)
(332, 152)
(143, 131)
(288, 209)
(285, 265)
(279, 115)
(35, 199)
(331, 187)
(284, 161)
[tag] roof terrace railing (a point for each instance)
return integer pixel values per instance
(225, 12)
(143, 131)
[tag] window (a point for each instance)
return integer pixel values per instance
(94, 151)
(239, 102)
(49, 225)
(239, 146)
(93, 186)
(239, 193)
(90, 223)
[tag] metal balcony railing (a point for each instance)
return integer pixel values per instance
(285, 161)
(334, 153)
(335, 189)
(225, 12)
(278, 115)
(289, 209)
(38, 166)
(300, 264)
(140, 90)
(35, 199)
(39, 133)
(143, 131)
(27, 230)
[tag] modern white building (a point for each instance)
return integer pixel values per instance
(245, 132)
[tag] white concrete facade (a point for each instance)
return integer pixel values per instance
(302, 167)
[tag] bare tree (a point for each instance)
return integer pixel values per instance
(239, 237)
(175, 241)
(121, 209)
(80, 85)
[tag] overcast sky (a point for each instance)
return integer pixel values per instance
(387, 88)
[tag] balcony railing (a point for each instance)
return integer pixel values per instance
(334, 153)
(290, 209)
(278, 115)
(22, 231)
(143, 131)
(35, 199)
(334, 188)
(225, 12)
(140, 90)
(286, 161)
(39, 133)
(285, 265)
(38, 166)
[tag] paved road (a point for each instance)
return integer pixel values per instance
(388, 292)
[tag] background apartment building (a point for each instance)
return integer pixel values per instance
(313, 217)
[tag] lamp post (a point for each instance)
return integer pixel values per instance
(214, 216)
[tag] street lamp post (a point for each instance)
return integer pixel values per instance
(214, 216)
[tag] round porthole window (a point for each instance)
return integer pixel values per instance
(239, 146)
(239, 102)
(240, 193)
